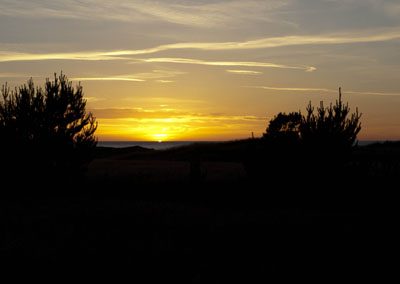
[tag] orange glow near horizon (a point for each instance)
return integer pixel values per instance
(171, 129)
(173, 122)
(166, 124)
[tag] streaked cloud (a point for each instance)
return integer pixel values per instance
(6, 56)
(162, 100)
(114, 56)
(188, 13)
(244, 72)
(269, 42)
(16, 75)
(164, 81)
(323, 39)
(323, 90)
(310, 69)
(138, 77)
(157, 74)
(163, 113)
(374, 93)
(109, 78)
(292, 89)
(224, 63)
(93, 99)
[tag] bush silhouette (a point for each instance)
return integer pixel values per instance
(318, 143)
(280, 145)
(284, 128)
(45, 133)
(328, 137)
(331, 127)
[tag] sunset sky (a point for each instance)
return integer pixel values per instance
(209, 70)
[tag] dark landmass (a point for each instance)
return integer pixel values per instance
(195, 214)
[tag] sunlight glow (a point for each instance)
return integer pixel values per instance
(158, 125)
(160, 137)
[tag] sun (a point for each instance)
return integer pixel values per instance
(160, 137)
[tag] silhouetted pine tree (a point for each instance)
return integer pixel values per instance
(45, 134)
(332, 127)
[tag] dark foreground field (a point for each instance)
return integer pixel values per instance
(194, 215)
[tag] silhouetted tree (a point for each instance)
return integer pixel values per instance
(328, 137)
(284, 127)
(280, 145)
(45, 133)
(329, 127)
(318, 143)
(332, 127)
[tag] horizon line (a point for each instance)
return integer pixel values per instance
(238, 139)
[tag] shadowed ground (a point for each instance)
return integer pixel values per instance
(199, 222)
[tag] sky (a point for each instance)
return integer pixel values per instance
(209, 70)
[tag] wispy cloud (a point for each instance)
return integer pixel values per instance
(374, 93)
(94, 99)
(181, 102)
(6, 56)
(158, 74)
(269, 42)
(322, 90)
(224, 63)
(360, 36)
(15, 75)
(219, 13)
(108, 78)
(244, 72)
(164, 81)
(138, 77)
(188, 13)
(165, 113)
(114, 55)
(292, 89)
